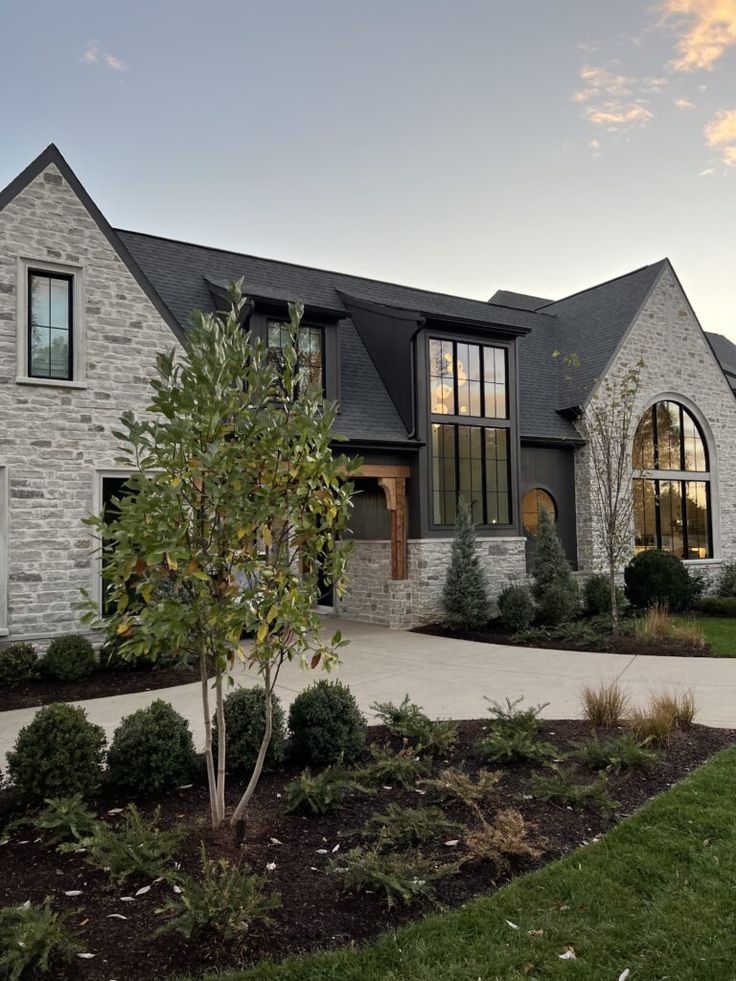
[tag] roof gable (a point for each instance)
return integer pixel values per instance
(52, 156)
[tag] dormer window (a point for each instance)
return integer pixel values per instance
(310, 350)
(50, 325)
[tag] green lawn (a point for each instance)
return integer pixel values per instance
(720, 633)
(656, 896)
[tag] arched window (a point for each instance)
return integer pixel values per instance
(535, 501)
(671, 483)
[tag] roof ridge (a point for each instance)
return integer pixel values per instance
(331, 272)
(607, 282)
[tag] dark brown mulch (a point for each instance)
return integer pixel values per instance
(43, 691)
(316, 912)
(623, 645)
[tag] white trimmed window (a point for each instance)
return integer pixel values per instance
(51, 334)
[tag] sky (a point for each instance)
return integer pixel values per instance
(457, 145)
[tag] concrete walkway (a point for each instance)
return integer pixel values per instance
(450, 678)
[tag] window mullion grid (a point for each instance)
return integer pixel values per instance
(483, 476)
(683, 509)
(657, 514)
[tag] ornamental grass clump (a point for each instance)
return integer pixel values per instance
(604, 705)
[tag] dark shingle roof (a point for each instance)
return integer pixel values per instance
(520, 301)
(725, 352)
(592, 323)
(181, 272)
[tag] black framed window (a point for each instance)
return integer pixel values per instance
(114, 489)
(671, 487)
(50, 325)
(310, 350)
(470, 432)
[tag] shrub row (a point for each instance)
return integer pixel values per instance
(68, 658)
(61, 752)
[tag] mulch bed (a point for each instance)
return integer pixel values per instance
(98, 685)
(623, 645)
(316, 912)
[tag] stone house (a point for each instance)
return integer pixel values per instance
(440, 395)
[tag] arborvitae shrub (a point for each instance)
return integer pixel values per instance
(326, 725)
(59, 753)
(597, 595)
(658, 577)
(69, 658)
(18, 663)
(152, 750)
(554, 585)
(465, 596)
(515, 608)
(245, 725)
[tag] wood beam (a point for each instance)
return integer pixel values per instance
(394, 488)
(382, 470)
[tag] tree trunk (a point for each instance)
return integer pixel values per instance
(211, 780)
(237, 821)
(614, 598)
(221, 748)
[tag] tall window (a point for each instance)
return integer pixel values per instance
(114, 489)
(671, 483)
(50, 325)
(470, 431)
(309, 348)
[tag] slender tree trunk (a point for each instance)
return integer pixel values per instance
(614, 598)
(237, 821)
(221, 749)
(211, 780)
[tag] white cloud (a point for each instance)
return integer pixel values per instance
(94, 55)
(684, 103)
(617, 114)
(708, 172)
(707, 30)
(598, 82)
(722, 128)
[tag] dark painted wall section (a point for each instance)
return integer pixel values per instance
(553, 469)
(370, 520)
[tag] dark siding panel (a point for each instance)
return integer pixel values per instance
(553, 469)
(370, 519)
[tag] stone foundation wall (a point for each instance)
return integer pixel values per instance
(374, 597)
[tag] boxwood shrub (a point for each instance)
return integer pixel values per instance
(151, 750)
(515, 608)
(245, 725)
(326, 725)
(59, 753)
(717, 606)
(69, 658)
(18, 663)
(658, 577)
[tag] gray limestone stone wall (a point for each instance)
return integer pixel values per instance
(678, 364)
(373, 596)
(55, 440)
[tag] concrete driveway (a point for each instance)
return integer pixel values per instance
(450, 678)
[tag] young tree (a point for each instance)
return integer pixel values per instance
(465, 597)
(607, 424)
(236, 506)
(554, 586)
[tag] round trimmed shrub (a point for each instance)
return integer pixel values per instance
(69, 658)
(326, 725)
(18, 662)
(515, 608)
(245, 725)
(597, 595)
(151, 750)
(558, 604)
(658, 577)
(59, 753)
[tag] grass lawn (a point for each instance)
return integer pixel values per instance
(720, 633)
(654, 896)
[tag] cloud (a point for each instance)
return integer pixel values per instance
(708, 172)
(616, 115)
(709, 28)
(720, 133)
(94, 55)
(721, 129)
(684, 103)
(598, 82)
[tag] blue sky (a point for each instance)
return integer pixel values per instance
(462, 145)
